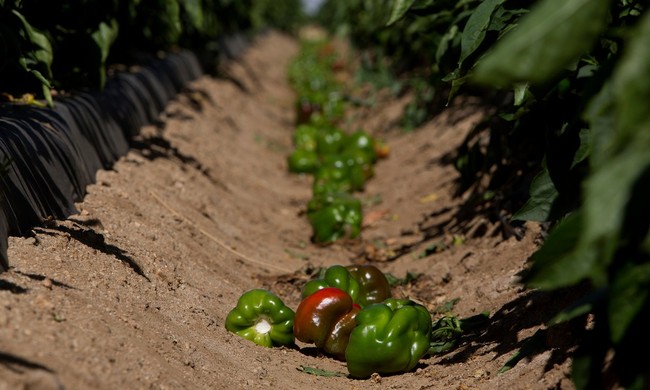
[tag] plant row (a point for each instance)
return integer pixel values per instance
(339, 162)
(68, 45)
(568, 81)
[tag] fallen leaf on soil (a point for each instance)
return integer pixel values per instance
(432, 197)
(373, 216)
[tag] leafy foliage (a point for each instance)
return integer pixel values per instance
(573, 112)
(46, 45)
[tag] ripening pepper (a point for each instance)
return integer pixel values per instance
(326, 319)
(390, 338)
(261, 317)
(335, 276)
(365, 284)
(373, 284)
(334, 216)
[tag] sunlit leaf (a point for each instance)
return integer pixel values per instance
(400, 7)
(104, 38)
(476, 28)
(539, 47)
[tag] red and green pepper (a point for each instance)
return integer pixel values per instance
(326, 319)
(365, 284)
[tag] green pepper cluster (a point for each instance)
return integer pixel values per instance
(340, 163)
(348, 313)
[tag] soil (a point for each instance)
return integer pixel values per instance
(133, 291)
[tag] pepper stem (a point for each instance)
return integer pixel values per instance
(263, 326)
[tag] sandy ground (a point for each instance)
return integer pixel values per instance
(133, 291)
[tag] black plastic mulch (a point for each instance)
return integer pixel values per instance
(53, 154)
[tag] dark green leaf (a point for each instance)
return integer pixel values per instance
(400, 7)
(579, 308)
(531, 345)
(584, 149)
(629, 293)
(443, 45)
(600, 114)
(607, 192)
(408, 278)
(320, 372)
(538, 48)
(542, 196)
(447, 306)
(194, 11)
(562, 261)
(632, 88)
(476, 28)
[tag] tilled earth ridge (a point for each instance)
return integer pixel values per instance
(133, 291)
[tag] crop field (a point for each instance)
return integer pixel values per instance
(408, 194)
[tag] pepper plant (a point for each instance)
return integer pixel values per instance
(574, 113)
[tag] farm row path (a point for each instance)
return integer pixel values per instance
(133, 291)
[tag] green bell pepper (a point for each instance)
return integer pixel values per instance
(305, 137)
(363, 142)
(303, 161)
(335, 276)
(261, 317)
(334, 216)
(346, 172)
(326, 319)
(390, 337)
(365, 284)
(330, 140)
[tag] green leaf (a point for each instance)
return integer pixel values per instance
(579, 308)
(408, 278)
(562, 261)
(531, 346)
(584, 149)
(400, 7)
(43, 49)
(320, 372)
(632, 87)
(539, 48)
(476, 28)
(543, 195)
(629, 293)
(39, 60)
(607, 193)
(104, 37)
(195, 12)
(443, 45)
(581, 368)
(600, 114)
(522, 91)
